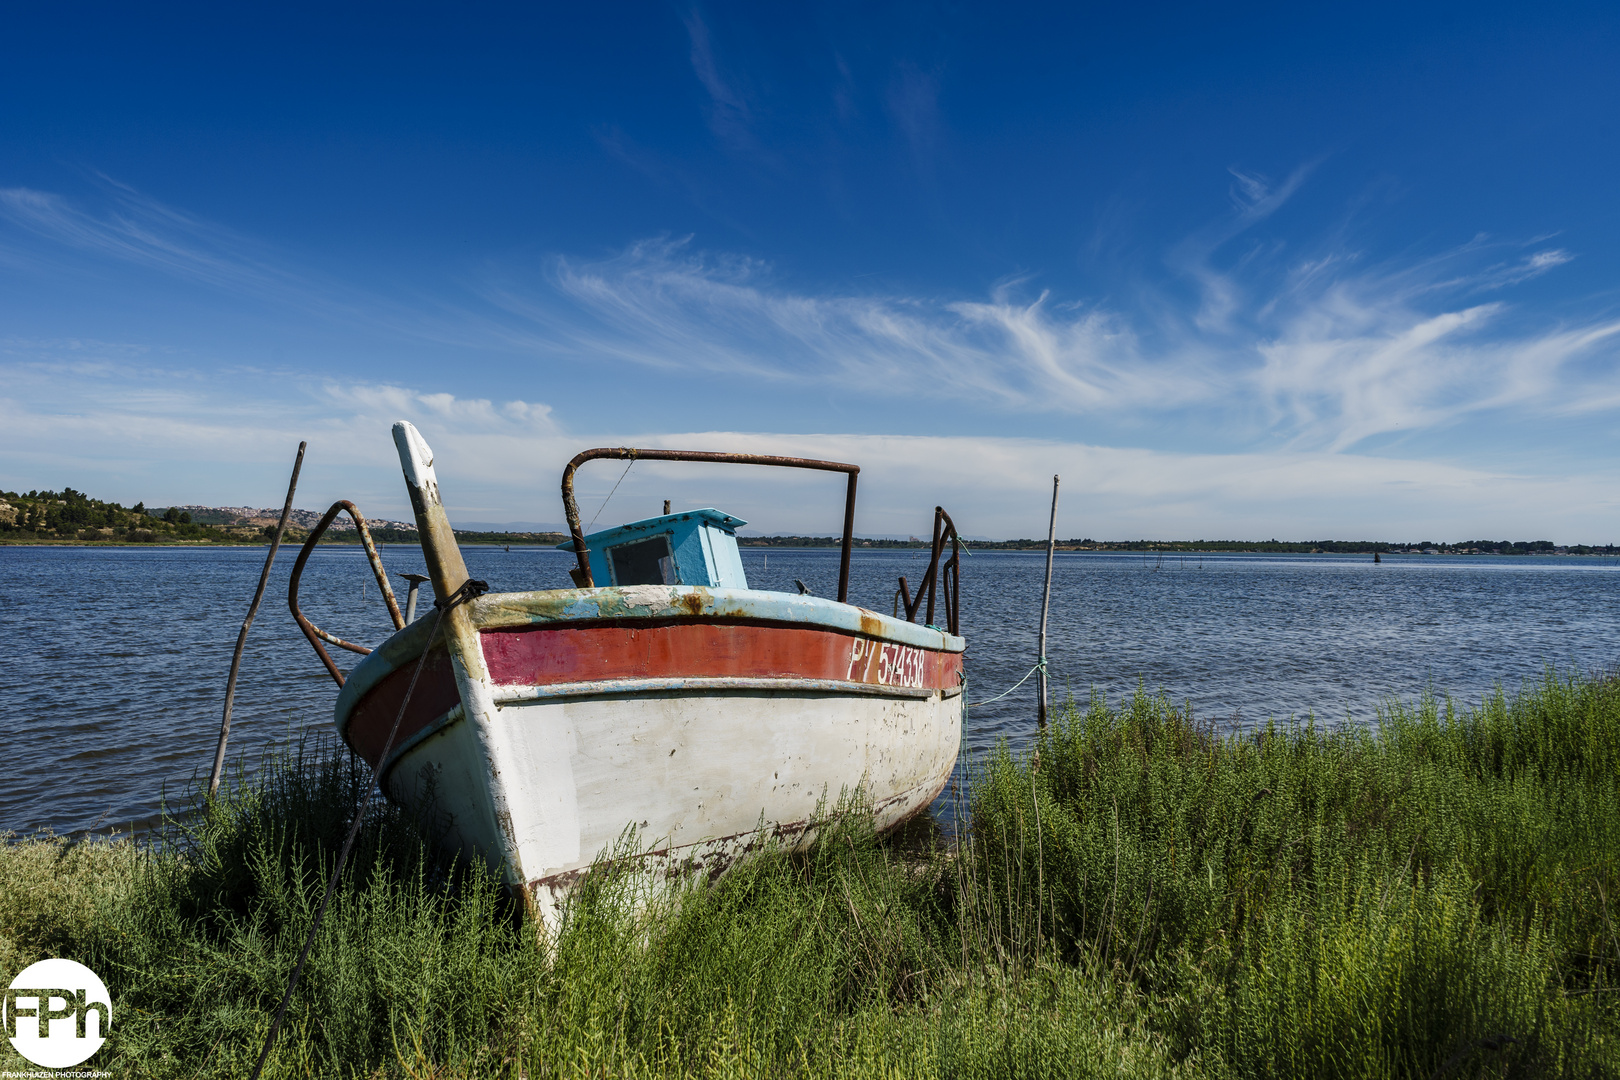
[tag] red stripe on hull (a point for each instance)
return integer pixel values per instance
(373, 715)
(551, 655)
(543, 656)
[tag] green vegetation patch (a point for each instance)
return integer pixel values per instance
(72, 517)
(1344, 903)
(1138, 895)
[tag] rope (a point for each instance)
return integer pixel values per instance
(609, 498)
(1040, 665)
(469, 590)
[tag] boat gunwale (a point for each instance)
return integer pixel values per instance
(567, 608)
(656, 621)
(635, 603)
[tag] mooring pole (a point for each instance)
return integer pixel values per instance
(247, 623)
(1046, 599)
(410, 597)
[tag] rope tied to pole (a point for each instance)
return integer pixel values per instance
(1040, 666)
(470, 590)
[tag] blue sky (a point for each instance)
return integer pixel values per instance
(1345, 272)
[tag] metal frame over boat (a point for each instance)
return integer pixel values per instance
(709, 717)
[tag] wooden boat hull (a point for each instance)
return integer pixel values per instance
(706, 719)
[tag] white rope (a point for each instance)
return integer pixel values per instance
(1040, 665)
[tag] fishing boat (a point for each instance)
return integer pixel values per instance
(661, 694)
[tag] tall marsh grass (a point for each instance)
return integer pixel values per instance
(1136, 894)
(1431, 897)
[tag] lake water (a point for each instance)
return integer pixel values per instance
(113, 660)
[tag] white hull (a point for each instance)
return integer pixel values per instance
(696, 774)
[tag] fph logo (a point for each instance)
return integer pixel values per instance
(57, 1013)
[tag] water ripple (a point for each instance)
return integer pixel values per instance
(115, 659)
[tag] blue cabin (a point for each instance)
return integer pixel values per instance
(698, 547)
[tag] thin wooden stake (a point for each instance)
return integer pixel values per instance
(1046, 599)
(247, 623)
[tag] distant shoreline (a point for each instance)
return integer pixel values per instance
(1144, 548)
(70, 518)
(346, 538)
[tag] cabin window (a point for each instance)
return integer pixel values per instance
(645, 562)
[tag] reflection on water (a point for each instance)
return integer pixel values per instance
(115, 659)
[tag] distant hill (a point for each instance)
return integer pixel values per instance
(535, 527)
(383, 530)
(260, 517)
(70, 516)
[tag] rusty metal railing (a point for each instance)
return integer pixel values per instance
(948, 578)
(582, 576)
(314, 633)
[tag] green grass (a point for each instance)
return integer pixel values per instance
(1338, 903)
(1139, 897)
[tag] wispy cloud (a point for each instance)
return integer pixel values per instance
(728, 109)
(1333, 352)
(42, 231)
(162, 435)
(1361, 355)
(1254, 199)
(661, 304)
(1309, 349)
(45, 231)
(142, 430)
(134, 228)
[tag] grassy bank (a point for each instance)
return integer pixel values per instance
(1140, 897)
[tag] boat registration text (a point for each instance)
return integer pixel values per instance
(897, 665)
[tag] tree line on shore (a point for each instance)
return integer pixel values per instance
(1302, 547)
(71, 516)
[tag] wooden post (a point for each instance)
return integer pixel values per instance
(415, 581)
(247, 623)
(1046, 598)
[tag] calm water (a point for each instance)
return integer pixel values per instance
(113, 661)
